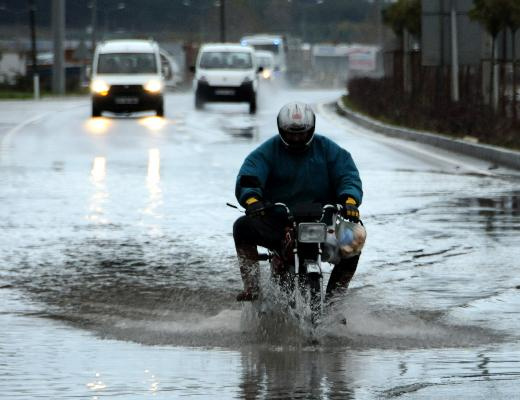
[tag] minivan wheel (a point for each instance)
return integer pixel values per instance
(199, 103)
(160, 110)
(96, 111)
(252, 105)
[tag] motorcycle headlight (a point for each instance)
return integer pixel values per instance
(312, 232)
(153, 86)
(99, 87)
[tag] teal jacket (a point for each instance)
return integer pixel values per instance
(325, 174)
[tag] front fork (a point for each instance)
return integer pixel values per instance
(297, 272)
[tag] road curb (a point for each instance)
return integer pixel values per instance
(492, 154)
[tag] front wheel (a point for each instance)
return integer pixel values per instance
(315, 294)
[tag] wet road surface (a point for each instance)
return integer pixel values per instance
(118, 271)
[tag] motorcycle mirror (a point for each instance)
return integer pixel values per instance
(250, 181)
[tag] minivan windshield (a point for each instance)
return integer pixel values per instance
(266, 62)
(127, 63)
(273, 48)
(226, 60)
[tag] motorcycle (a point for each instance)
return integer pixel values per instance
(313, 234)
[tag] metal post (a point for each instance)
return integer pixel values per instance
(303, 24)
(496, 80)
(32, 23)
(407, 73)
(222, 20)
(36, 86)
(58, 32)
(454, 54)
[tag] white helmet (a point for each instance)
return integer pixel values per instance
(296, 123)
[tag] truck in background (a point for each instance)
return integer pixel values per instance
(291, 62)
(273, 43)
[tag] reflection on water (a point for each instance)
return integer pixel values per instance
(100, 195)
(99, 170)
(508, 204)
(247, 132)
(154, 166)
(301, 373)
(499, 214)
(97, 384)
(153, 180)
(239, 125)
(153, 123)
(98, 126)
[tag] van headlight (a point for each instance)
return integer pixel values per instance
(153, 86)
(312, 232)
(99, 87)
(266, 73)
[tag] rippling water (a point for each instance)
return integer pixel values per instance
(118, 278)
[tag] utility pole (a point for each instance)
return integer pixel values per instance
(379, 23)
(58, 33)
(32, 24)
(93, 23)
(455, 97)
(223, 20)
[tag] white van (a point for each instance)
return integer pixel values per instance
(265, 59)
(126, 76)
(226, 72)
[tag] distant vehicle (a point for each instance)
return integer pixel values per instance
(170, 69)
(265, 60)
(126, 76)
(273, 43)
(225, 72)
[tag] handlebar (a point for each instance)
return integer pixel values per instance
(326, 215)
(326, 211)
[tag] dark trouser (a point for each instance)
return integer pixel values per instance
(268, 231)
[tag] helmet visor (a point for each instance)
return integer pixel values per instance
(297, 139)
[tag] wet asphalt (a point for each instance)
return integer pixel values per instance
(118, 272)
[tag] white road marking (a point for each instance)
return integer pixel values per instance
(5, 141)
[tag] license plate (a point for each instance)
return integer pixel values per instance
(313, 268)
(126, 100)
(225, 92)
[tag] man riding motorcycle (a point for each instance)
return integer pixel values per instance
(297, 166)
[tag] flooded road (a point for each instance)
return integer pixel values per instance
(118, 272)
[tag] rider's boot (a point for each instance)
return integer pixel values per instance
(339, 280)
(249, 269)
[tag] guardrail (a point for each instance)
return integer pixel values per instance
(493, 154)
